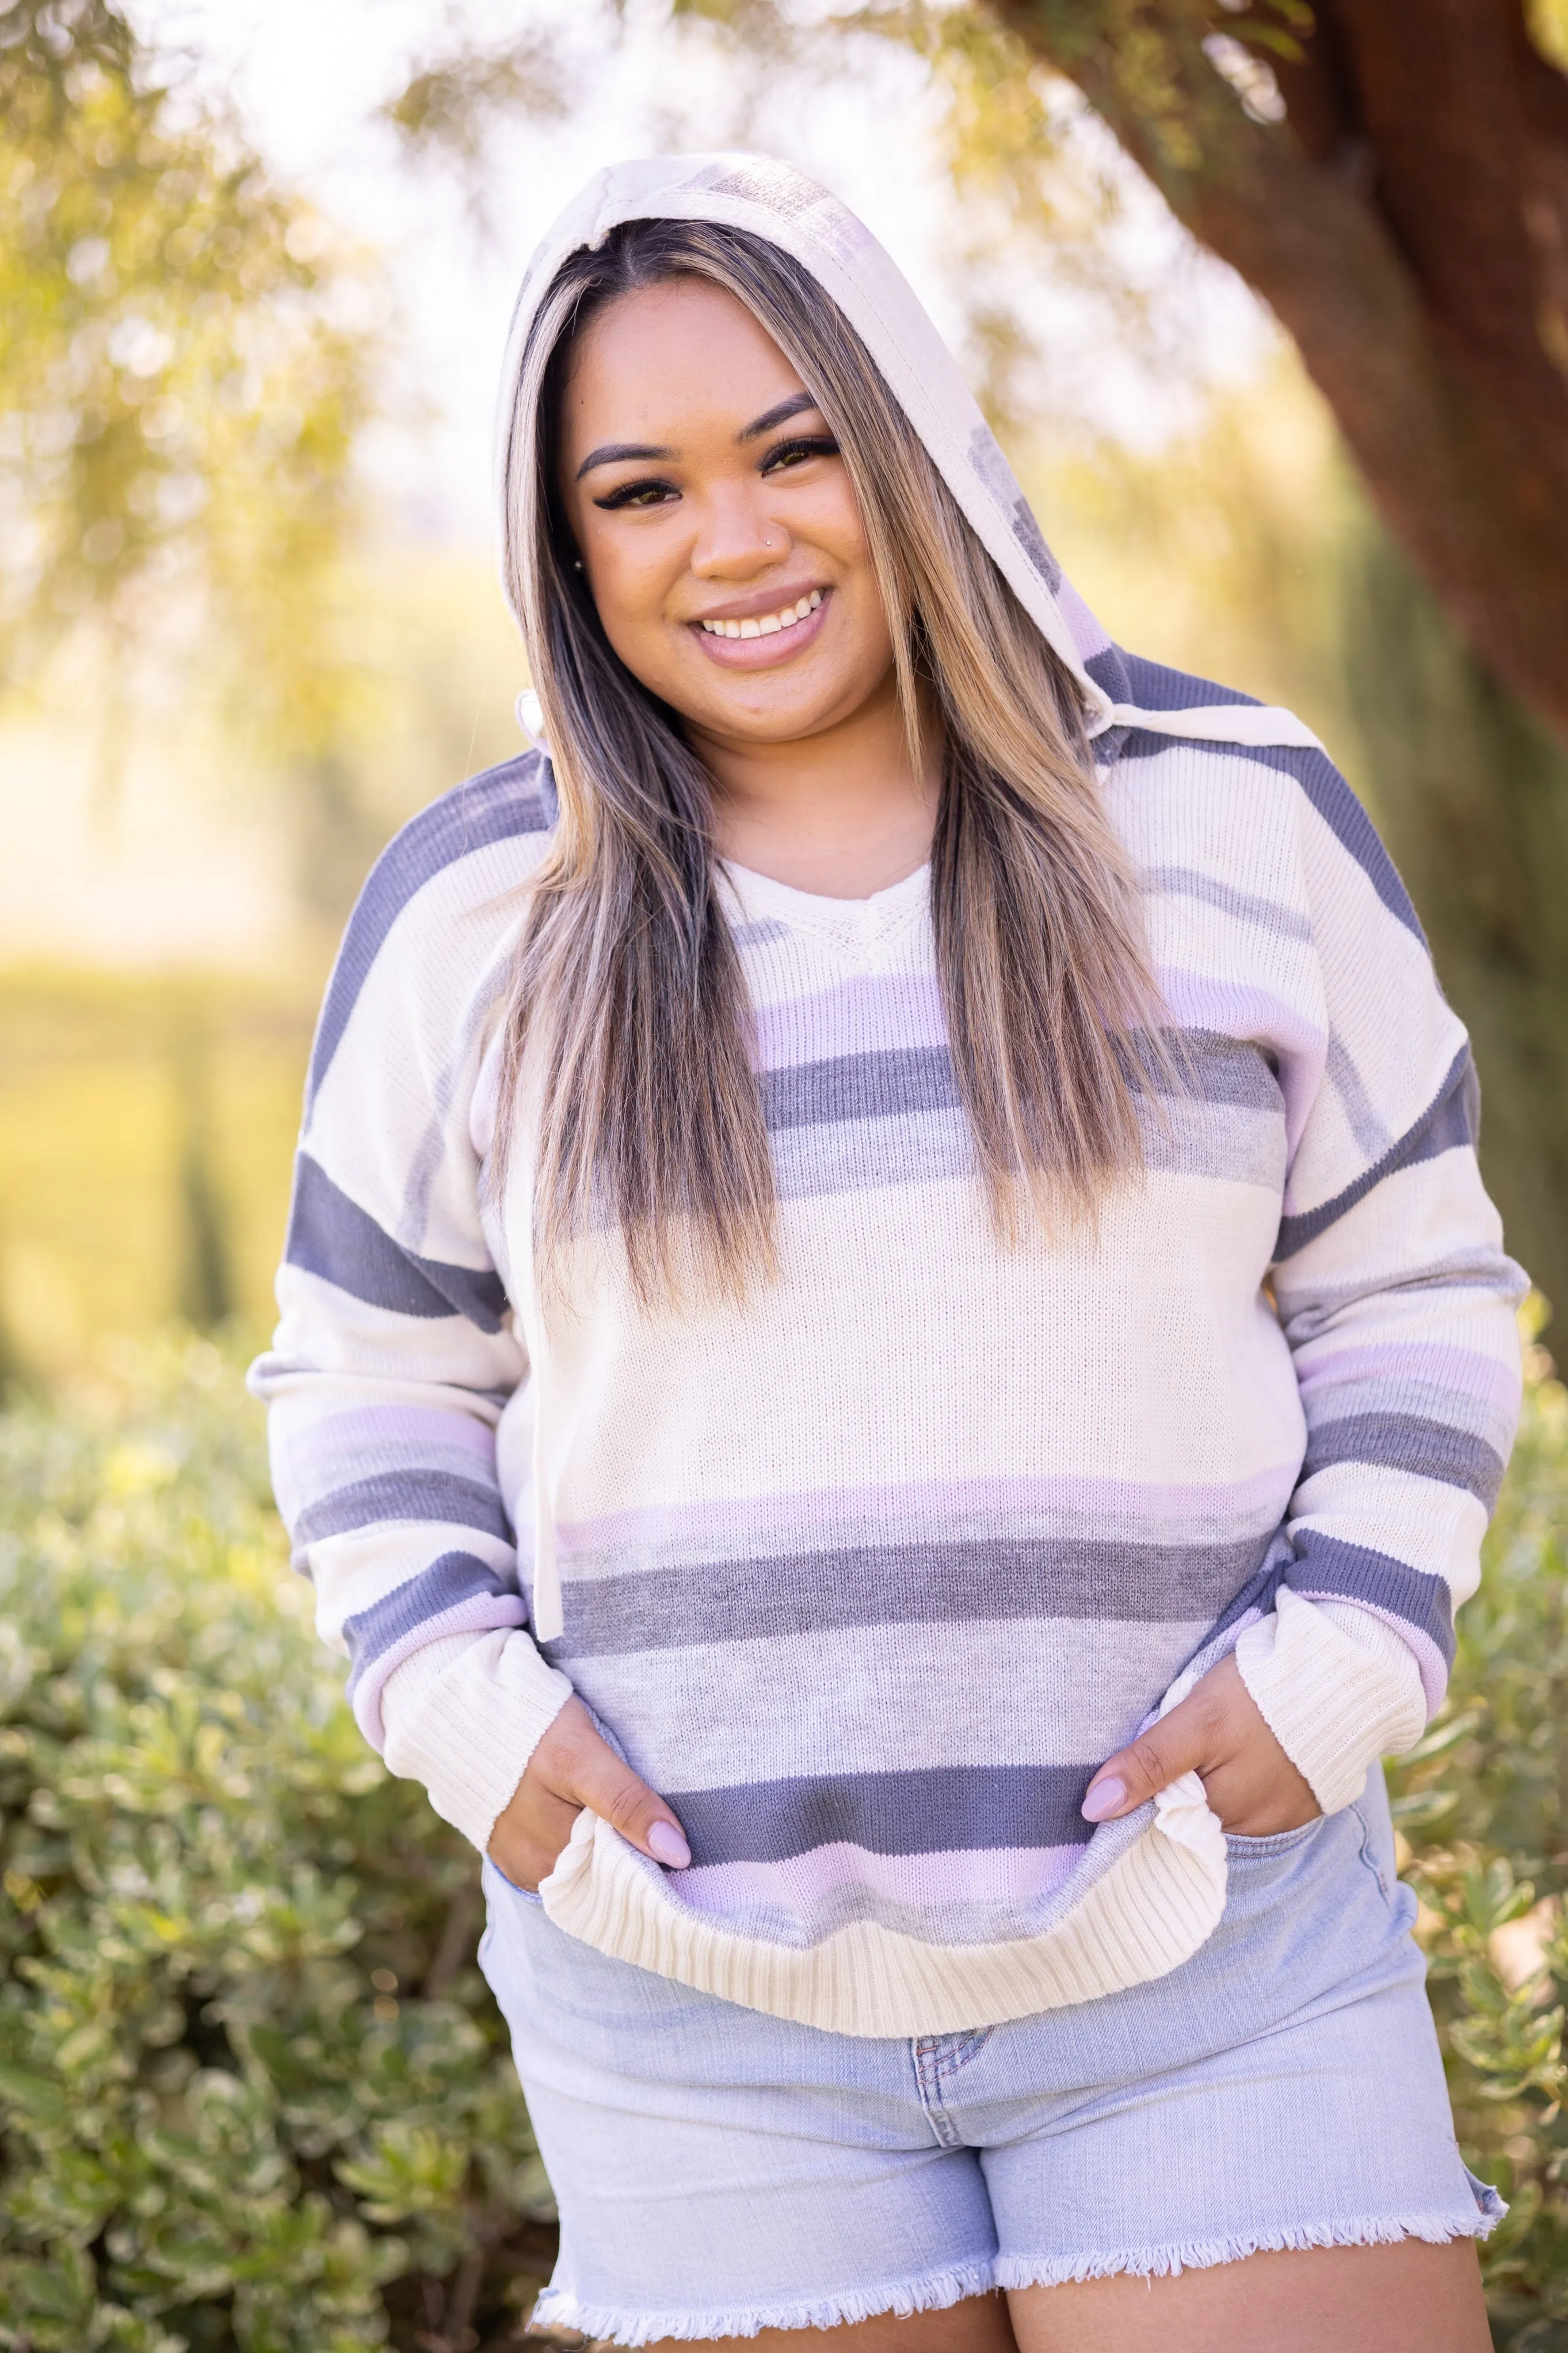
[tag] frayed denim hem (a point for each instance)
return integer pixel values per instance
(1203, 2254)
(557, 2309)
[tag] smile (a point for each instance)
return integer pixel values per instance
(767, 625)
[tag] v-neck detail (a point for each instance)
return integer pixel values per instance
(859, 929)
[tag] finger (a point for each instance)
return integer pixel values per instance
(612, 1790)
(1178, 1744)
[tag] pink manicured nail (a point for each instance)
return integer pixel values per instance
(666, 1845)
(1103, 1799)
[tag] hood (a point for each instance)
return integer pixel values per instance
(775, 201)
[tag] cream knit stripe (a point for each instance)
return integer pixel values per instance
(463, 1716)
(1336, 1687)
(1146, 1915)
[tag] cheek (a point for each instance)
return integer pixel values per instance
(628, 590)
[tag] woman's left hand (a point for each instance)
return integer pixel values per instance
(1218, 1733)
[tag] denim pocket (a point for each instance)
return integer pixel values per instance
(1260, 1850)
(523, 1894)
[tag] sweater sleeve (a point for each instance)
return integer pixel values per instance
(396, 1351)
(1398, 1304)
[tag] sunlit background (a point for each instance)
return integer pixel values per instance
(282, 634)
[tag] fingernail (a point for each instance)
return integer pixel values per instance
(666, 1845)
(1106, 1798)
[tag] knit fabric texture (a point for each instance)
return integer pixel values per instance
(869, 1573)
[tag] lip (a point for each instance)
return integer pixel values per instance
(761, 601)
(760, 653)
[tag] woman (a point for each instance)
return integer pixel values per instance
(918, 1163)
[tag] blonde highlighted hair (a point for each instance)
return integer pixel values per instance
(628, 1010)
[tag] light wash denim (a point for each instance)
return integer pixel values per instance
(719, 2172)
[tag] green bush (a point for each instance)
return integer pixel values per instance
(255, 2094)
(1483, 1804)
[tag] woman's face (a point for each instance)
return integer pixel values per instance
(714, 517)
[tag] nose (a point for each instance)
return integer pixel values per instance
(738, 538)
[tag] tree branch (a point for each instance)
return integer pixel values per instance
(1471, 480)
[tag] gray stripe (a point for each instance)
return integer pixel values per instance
(908, 1584)
(1362, 1117)
(516, 799)
(426, 1495)
(1407, 1442)
(958, 1808)
(1220, 1071)
(456, 1577)
(1448, 1125)
(330, 1235)
(859, 1086)
(1186, 883)
(1227, 1141)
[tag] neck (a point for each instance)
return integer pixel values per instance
(841, 813)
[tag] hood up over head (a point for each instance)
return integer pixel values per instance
(775, 201)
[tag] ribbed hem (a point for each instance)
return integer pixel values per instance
(464, 1714)
(1203, 2254)
(1336, 1687)
(1145, 1913)
(557, 2309)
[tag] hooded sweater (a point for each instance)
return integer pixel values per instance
(868, 1573)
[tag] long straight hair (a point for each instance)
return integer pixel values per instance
(628, 1010)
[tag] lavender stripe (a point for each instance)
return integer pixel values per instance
(1203, 1510)
(1412, 1364)
(780, 1904)
(868, 1010)
(1198, 1001)
(990, 1875)
(402, 1425)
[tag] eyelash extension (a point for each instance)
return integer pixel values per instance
(630, 491)
(813, 445)
(806, 445)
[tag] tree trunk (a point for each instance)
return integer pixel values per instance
(1408, 225)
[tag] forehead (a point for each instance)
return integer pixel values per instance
(683, 348)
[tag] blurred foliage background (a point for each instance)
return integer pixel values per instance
(239, 643)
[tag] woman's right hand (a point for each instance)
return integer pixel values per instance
(572, 1768)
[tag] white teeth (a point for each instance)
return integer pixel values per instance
(767, 625)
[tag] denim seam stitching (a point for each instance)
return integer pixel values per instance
(1369, 1858)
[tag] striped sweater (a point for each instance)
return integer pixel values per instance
(868, 1574)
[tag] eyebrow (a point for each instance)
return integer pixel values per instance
(612, 453)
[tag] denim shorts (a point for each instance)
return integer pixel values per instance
(719, 2172)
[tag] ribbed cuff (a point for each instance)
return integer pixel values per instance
(464, 1715)
(1336, 1687)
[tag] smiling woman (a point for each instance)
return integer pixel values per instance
(893, 1359)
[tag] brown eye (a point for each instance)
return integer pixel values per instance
(638, 494)
(792, 453)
